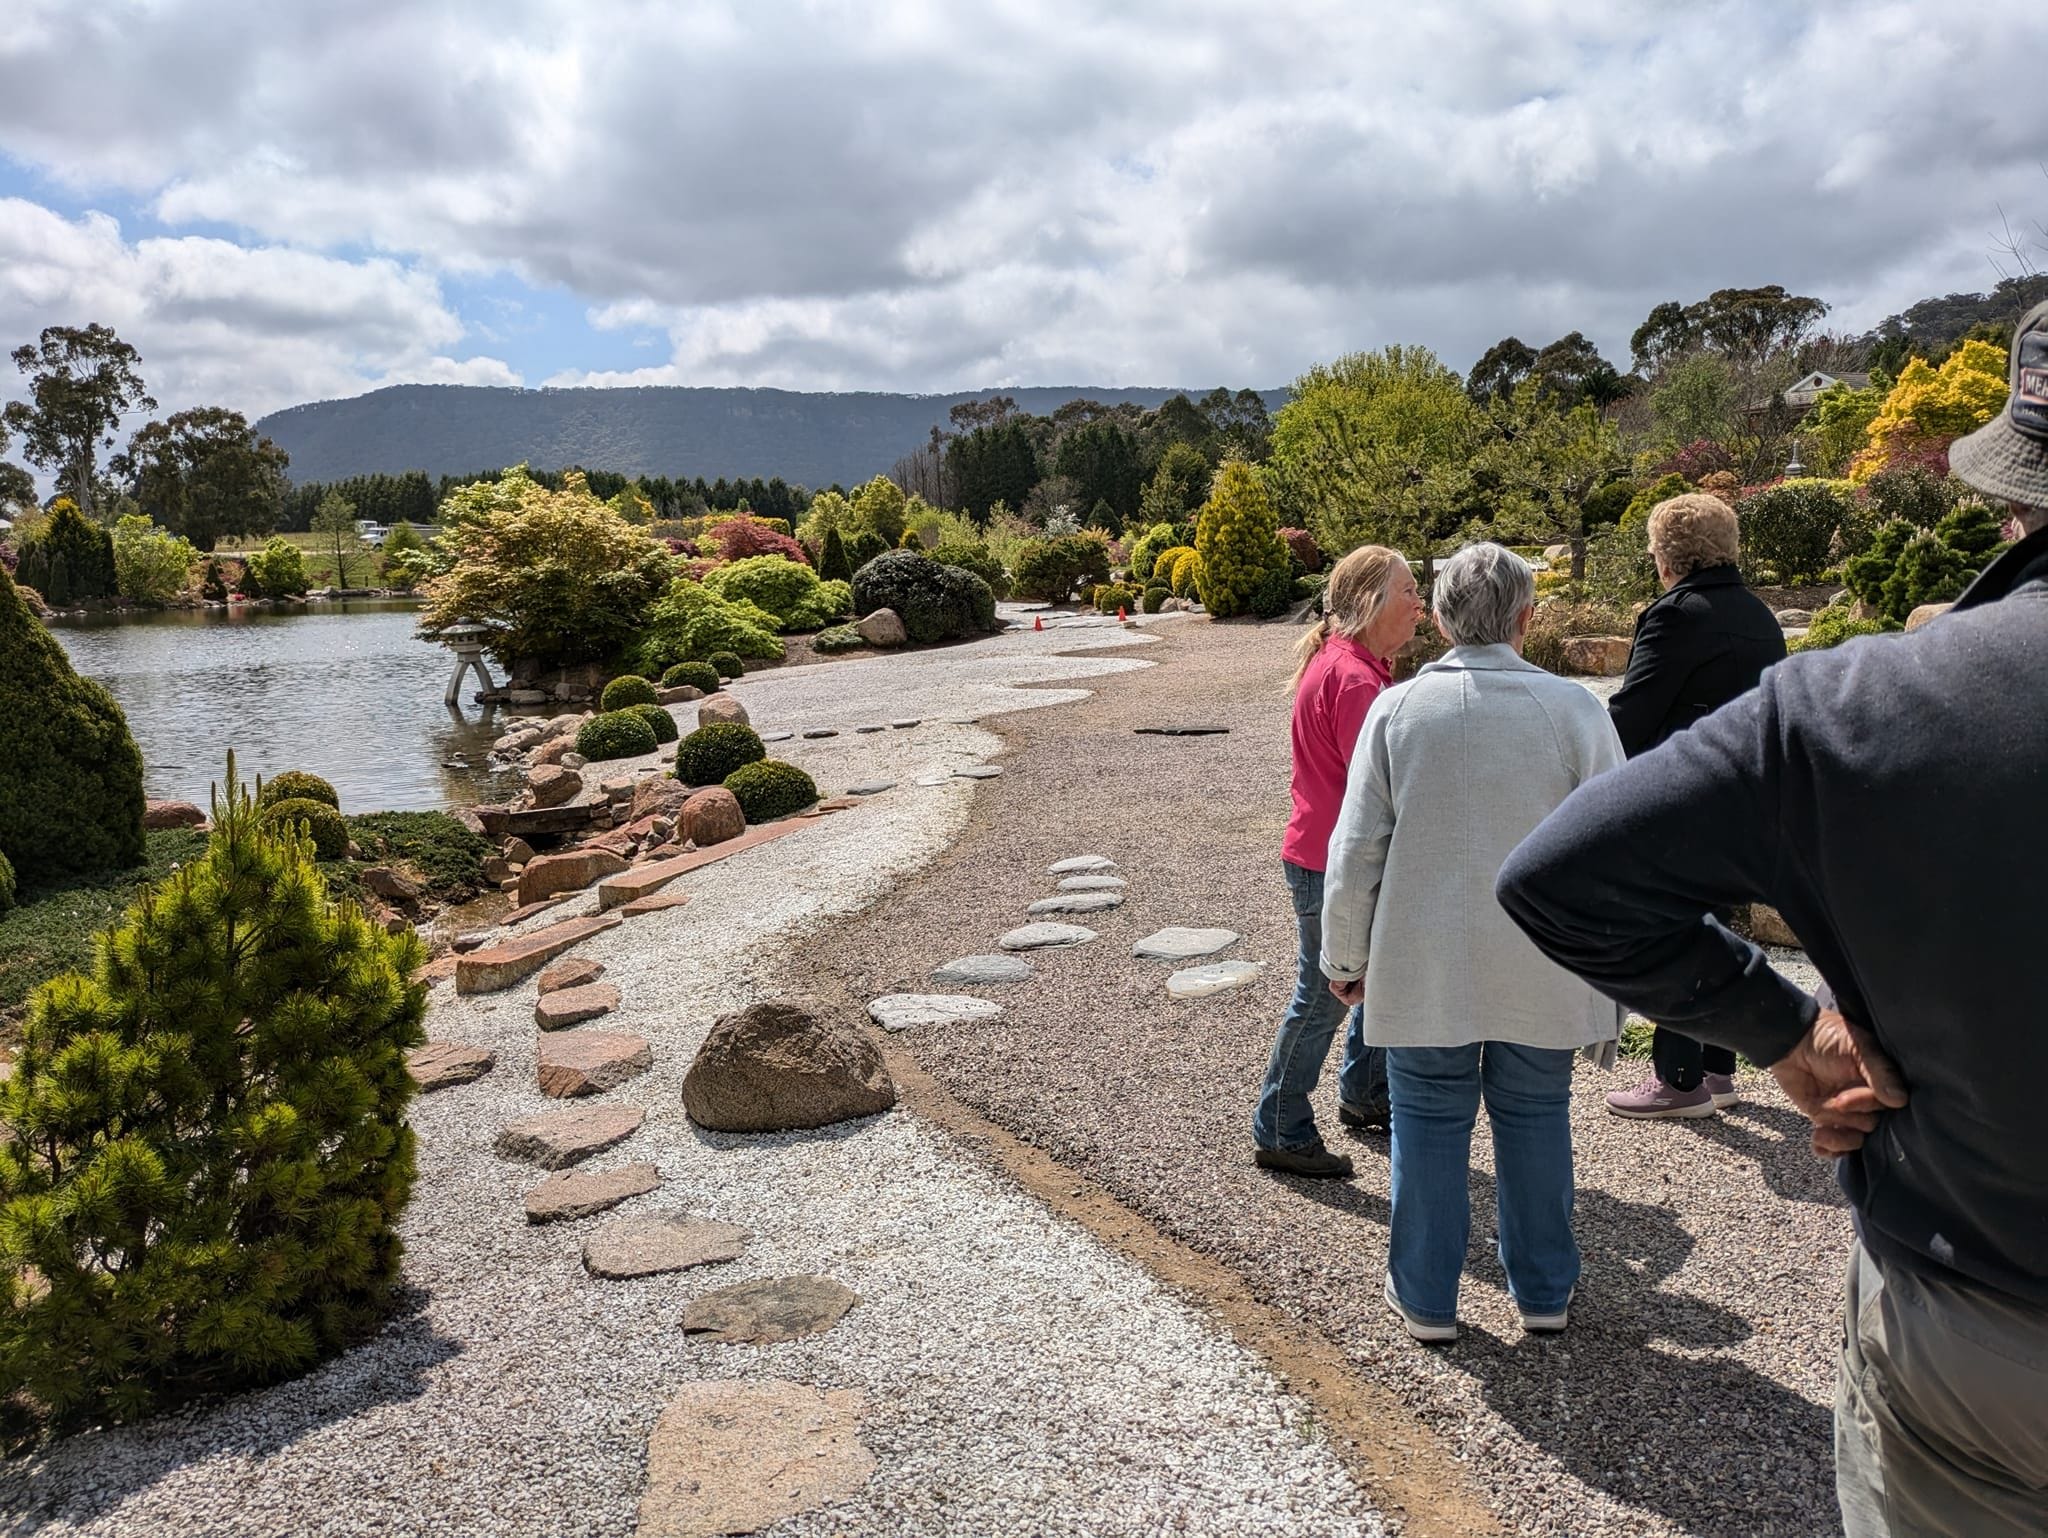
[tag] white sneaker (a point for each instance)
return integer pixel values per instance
(1420, 1329)
(1550, 1324)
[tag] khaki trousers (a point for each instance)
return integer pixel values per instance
(1941, 1411)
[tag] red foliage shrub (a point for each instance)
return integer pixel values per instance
(1698, 460)
(739, 538)
(1301, 545)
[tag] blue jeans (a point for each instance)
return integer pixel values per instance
(1436, 1093)
(1282, 1118)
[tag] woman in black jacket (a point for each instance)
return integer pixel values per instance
(1706, 641)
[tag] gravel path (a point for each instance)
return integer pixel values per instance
(1692, 1393)
(1020, 1377)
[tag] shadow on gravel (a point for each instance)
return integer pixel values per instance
(87, 1476)
(1777, 1138)
(1748, 1458)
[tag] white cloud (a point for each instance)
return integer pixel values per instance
(925, 195)
(255, 327)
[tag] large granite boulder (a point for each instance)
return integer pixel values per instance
(721, 707)
(658, 795)
(171, 814)
(1926, 614)
(1597, 656)
(552, 785)
(779, 1065)
(711, 816)
(883, 627)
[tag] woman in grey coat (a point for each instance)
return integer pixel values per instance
(1452, 771)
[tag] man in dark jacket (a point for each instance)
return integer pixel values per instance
(1890, 797)
(1707, 640)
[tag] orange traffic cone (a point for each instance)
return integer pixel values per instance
(1038, 622)
(1121, 617)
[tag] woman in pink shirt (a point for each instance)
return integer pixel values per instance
(1370, 607)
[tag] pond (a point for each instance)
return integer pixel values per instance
(342, 688)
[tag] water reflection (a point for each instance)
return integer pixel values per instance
(344, 689)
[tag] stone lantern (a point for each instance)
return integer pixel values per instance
(467, 642)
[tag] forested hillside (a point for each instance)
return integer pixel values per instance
(811, 439)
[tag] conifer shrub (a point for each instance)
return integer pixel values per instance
(70, 558)
(1187, 573)
(840, 638)
(1789, 528)
(323, 824)
(626, 690)
(1108, 597)
(727, 664)
(1155, 599)
(1274, 595)
(6, 884)
(1051, 569)
(70, 776)
(1147, 549)
(695, 675)
(935, 602)
(833, 562)
(614, 734)
(712, 752)
(734, 630)
(447, 857)
(294, 785)
(1834, 625)
(278, 570)
(974, 556)
(1238, 540)
(770, 788)
(864, 547)
(662, 723)
(209, 1154)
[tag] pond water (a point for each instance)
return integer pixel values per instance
(344, 689)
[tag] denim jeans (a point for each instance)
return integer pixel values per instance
(1283, 1118)
(1436, 1093)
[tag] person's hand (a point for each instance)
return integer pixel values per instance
(1841, 1080)
(1352, 992)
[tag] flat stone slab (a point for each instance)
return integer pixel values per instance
(546, 875)
(660, 902)
(1033, 937)
(590, 1062)
(1178, 944)
(934, 779)
(906, 723)
(977, 971)
(557, 1139)
(648, 1246)
(1080, 865)
(738, 1456)
(644, 880)
(763, 1313)
(1213, 977)
(1182, 731)
(1077, 902)
(817, 732)
(979, 772)
(1091, 884)
(568, 1194)
(442, 1064)
(865, 730)
(641, 881)
(777, 736)
(900, 1011)
(572, 1006)
(500, 966)
(871, 787)
(527, 911)
(570, 972)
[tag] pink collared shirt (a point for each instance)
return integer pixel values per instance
(1342, 681)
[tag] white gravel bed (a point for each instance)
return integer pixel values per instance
(1020, 1377)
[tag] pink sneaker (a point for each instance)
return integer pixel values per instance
(1722, 1087)
(1654, 1100)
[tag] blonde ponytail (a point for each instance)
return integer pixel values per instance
(1352, 599)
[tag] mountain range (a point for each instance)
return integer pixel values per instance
(815, 439)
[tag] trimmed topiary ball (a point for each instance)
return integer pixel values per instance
(6, 884)
(615, 734)
(664, 724)
(771, 789)
(323, 822)
(728, 664)
(625, 691)
(1155, 599)
(295, 785)
(695, 675)
(710, 753)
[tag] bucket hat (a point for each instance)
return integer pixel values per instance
(2008, 456)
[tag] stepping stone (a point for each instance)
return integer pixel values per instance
(571, 972)
(647, 1246)
(906, 723)
(817, 732)
(900, 1011)
(738, 1456)
(1177, 944)
(439, 970)
(475, 940)
(557, 1139)
(977, 971)
(1077, 902)
(641, 881)
(1033, 937)
(777, 736)
(533, 910)
(864, 730)
(1080, 864)
(934, 779)
(979, 772)
(567, 1194)
(870, 788)
(1182, 731)
(767, 1312)
(547, 875)
(1215, 977)
(660, 902)
(1092, 884)
(590, 1062)
(572, 1006)
(500, 966)
(442, 1064)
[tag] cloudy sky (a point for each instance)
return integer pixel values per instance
(286, 202)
